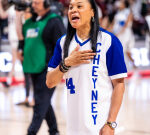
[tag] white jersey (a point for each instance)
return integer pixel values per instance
(12, 33)
(89, 85)
(127, 37)
(120, 20)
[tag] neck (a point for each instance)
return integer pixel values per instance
(84, 32)
(43, 12)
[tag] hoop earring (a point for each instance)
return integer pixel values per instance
(93, 19)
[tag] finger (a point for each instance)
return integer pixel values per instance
(86, 51)
(87, 58)
(87, 54)
(85, 62)
(77, 48)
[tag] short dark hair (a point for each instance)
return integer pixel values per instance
(93, 32)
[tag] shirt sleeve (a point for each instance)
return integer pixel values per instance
(57, 29)
(57, 56)
(52, 32)
(115, 60)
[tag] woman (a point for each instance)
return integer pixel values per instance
(13, 41)
(122, 27)
(21, 17)
(92, 61)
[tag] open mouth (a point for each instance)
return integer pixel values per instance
(75, 18)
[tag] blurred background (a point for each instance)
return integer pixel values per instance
(129, 20)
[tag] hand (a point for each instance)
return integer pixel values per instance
(106, 130)
(134, 66)
(20, 55)
(79, 57)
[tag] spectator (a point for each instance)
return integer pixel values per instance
(122, 27)
(40, 35)
(13, 41)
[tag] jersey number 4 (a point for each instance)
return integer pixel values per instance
(70, 86)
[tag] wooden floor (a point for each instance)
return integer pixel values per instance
(133, 119)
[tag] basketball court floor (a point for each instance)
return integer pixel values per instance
(133, 118)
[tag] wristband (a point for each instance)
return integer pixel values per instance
(21, 45)
(62, 67)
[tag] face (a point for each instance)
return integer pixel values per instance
(121, 5)
(38, 6)
(80, 13)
